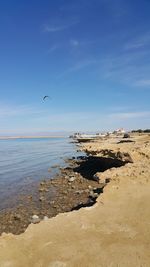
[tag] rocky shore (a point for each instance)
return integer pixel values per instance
(113, 185)
(69, 190)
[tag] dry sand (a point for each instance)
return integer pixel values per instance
(115, 232)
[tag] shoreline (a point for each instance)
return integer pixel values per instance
(115, 231)
(65, 192)
(73, 188)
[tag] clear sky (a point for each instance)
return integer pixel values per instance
(92, 57)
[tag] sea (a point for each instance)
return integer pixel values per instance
(26, 161)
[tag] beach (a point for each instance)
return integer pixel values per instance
(75, 133)
(103, 201)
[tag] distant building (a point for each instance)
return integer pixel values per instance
(119, 131)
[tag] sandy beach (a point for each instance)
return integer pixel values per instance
(114, 231)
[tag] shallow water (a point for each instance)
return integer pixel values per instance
(25, 161)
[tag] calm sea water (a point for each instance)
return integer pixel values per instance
(23, 161)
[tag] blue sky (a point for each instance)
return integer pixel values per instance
(91, 56)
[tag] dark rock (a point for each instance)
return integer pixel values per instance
(73, 187)
(107, 180)
(95, 178)
(17, 217)
(126, 135)
(126, 141)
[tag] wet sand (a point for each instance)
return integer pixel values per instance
(113, 232)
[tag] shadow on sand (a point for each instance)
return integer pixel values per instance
(91, 165)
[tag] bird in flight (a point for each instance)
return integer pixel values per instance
(46, 96)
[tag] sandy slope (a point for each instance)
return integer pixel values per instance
(114, 233)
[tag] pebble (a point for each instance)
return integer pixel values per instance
(35, 219)
(93, 195)
(46, 190)
(42, 183)
(41, 189)
(90, 187)
(52, 202)
(55, 166)
(45, 218)
(41, 198)
(86, 190)
(79, 192)
(71, 179)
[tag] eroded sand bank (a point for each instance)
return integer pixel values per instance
(114, 232)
